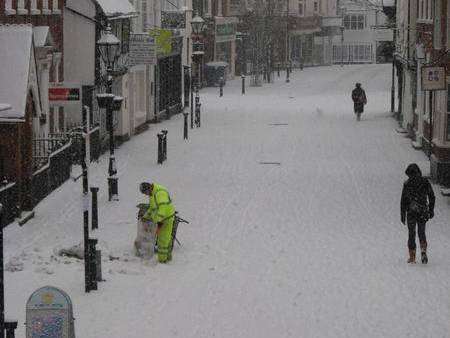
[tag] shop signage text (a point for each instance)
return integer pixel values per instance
(63, 94)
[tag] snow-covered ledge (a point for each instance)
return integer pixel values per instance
(8, 8)
(55, 9)
(45, 9)
(34, 10)
(21, 10)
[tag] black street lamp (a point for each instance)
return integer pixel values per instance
(109, 47)
(198, 25)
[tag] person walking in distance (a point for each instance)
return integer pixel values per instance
(416, 208)
(359, 100)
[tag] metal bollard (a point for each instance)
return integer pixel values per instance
(98, 263)
(168, 112)
(243, 84)
(92, 263)
(160, 148)
(192, 108)
(113, 194)
(185, 132)
(197, 114)
(10, 328)
(164, 144)
(221, 87)
(278, 70)
(94, 191)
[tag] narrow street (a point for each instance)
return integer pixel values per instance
(294, 224)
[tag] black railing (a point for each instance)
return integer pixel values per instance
(9, 198)
(54, 173)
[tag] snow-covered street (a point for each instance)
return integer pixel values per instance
(294, 224)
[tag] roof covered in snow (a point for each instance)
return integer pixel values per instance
(14, 68)
(117, 8)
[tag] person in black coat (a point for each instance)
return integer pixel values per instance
(416, 207)
(359, 100)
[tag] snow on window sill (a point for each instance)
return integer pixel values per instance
(22, 11)
(10, 11)
(46, 11)
(56, 11)
(35, 12)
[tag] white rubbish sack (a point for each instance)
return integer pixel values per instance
(145, 239)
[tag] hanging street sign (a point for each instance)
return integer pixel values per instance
(142, 50)
(433, 78)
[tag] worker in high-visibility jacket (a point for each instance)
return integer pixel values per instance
(162, 213)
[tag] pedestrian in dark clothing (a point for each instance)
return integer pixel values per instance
(416, 207)
(359, 100)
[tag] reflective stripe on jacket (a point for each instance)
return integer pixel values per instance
(160, 207)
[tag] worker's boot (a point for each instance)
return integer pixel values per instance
(412, 256)
(423, 249)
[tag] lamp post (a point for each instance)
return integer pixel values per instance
(197, 24)
(109, 46)
(342, 45)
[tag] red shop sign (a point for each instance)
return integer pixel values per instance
(63, 94)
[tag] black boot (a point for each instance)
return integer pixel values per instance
(423, 249)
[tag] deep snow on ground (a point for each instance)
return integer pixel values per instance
(312, 247)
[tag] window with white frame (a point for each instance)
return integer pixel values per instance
(21, 7)
(144, 15)
(437, 37)
(55, 6)
(301, 9)
(33, 9)
(354, 22)
(45, 9)
(424, 9)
